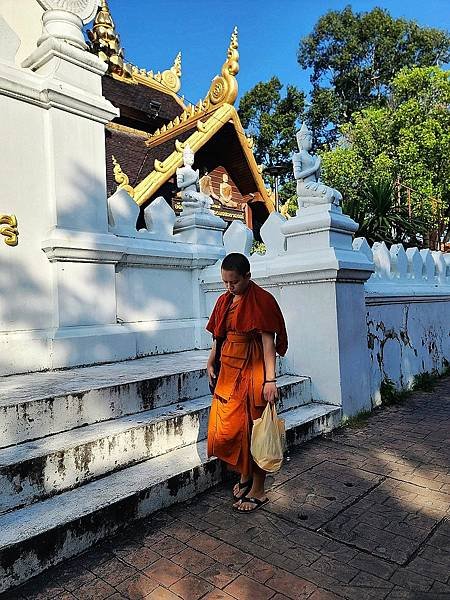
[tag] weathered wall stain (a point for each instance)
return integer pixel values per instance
(420, 333)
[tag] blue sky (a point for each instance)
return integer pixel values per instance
(153, 31)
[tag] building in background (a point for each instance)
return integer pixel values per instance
(144, 144)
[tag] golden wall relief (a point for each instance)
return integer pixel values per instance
(221, 191)
(8, 228)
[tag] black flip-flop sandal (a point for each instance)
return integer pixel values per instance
(257, 503)
(246, 487)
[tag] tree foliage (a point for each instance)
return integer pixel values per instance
(354, 57)
(271, 119)
(381, 218)
(407, 140)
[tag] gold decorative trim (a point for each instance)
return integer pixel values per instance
(8, 228)
(121, 178)
(129, 130)
(105, 43)
(224, 87)
(164, 170)
(238, 214)
(168, 80)
(223, 90)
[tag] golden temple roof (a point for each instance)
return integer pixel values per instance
(204, 131)
(196, 125)
(105, 43)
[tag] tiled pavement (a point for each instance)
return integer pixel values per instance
(362, 514)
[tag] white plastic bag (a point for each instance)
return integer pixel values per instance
(267, 443)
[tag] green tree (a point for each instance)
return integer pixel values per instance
(354, 56)
(380, 217)
(407, 140)
(271, 119)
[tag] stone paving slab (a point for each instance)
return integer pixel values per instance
(392, 521)
(399, 468)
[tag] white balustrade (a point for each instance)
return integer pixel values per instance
(410, 267)
(123, 213)
(382, 261)
(238, 238)
(272, 236)
(415, 265)
(441, 267)
(399, 262)
(361, 245)
(159, 219)
(428, 265)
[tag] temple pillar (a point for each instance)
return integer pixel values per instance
(55, 183)
(324, 306)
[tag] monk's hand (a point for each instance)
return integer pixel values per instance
(211, 373)
(270, 392)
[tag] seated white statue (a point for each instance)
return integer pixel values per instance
(188, 183)
(310, 190)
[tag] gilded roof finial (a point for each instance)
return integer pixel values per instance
(105, 41)
(224, 87)
(177, 64)
(233, 55)
(171, 77)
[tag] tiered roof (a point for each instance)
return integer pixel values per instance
(147, 155)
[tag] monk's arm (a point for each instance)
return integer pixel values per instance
(210, 364)
(270, 389)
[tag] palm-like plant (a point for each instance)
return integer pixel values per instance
(381, 218)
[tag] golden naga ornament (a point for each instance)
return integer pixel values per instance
(121, 178)
(224, 87)
(8, 228)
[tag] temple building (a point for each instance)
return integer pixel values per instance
(144, 144)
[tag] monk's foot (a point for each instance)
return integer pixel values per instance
(251, 503)
(240, 489)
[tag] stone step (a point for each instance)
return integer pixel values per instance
(41, 468)
(56, 401)
(38, 536)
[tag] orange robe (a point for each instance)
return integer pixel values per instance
(238, 398)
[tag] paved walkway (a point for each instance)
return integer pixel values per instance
(362, 514)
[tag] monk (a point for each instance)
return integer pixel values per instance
(244, 322)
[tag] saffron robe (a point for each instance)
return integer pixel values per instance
(238, 397)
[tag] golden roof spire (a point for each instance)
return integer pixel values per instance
(223, 90)
(224, 87)
(177, 64)
(105, 41)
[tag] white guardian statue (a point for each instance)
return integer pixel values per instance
(189, 186)
(310, 190)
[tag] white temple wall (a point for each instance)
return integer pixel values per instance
(154, 294)
(80, 188)
(408, 314)
(25, 273)
(162, 308)
(406, 336)
(349, 337)
(26, 303)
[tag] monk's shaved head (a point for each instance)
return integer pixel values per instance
(236, 262)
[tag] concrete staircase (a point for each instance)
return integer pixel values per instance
(86, 451)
